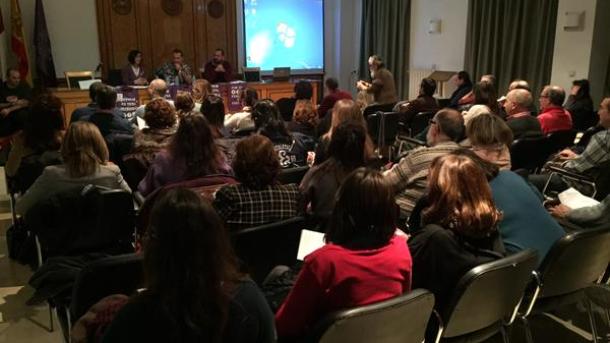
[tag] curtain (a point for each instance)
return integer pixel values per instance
(607, 83)
(385, 32)
(512, 39)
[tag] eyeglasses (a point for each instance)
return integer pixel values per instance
(432, 121)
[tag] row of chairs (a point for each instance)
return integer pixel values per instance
(486, 301)
(531, 152)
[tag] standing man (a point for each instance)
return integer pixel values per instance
(15, 96)
(382, 87)
(176, 72)
(218, 69)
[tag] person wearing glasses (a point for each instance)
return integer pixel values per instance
(410, 176)
(553, 116)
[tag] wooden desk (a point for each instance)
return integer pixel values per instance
(75, 98)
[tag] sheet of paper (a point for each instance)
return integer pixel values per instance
(310, 241)
(141, 123)
(575, 200)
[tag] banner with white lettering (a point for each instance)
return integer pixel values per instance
(127, 101)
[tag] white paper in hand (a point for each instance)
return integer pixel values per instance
(575, 200)
(310, 241)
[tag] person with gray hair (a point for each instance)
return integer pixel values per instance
(518, 116)
(409, 177)
(157, 89)
(553, 116)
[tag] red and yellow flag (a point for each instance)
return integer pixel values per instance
(18, 44)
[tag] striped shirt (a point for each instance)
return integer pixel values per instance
(242, 207)
(409, 177)
(596, 153)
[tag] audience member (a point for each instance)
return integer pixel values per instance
(485, 101)
(586, 217)
(305, 119)
(409, 177)
(464, 86)
(344, 110)
(85, 161)
(191, 154)
(519, 118)
(333, 94)
(37, 146)
(460, 227)
(303, 90)
(201, 89)
(104, 117)
(580, 105)
(469, 99)
(382, 87)
(160, 120)
(184, 104)
(242, 121)
(525, 222)
(156, 89)
(15, 96)
(258, 199)
(519, 84)
(363, 262)
(292, 148)
(193, 289)
(176, 72)
(553, 116)
(92, 107)
(133, 73)
(345, 154)
(490, 139)
(425, 101)
(213, 109)
(218, 69)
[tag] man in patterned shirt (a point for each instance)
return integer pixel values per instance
(176, 72)
(410, 176)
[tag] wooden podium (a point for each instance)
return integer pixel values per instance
(441, 77)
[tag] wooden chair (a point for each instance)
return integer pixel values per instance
(72, 77)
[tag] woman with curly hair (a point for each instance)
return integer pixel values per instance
(460, 226)
(258, 198)
(305, 118)
(160, 120)
(191, 154)
(184, 104)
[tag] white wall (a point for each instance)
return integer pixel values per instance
(72, 27)
(572, 52)
(444, 50)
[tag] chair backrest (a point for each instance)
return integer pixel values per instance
(373, 123)
(263, 247)
(286, 107)
(292, 175)
(586, 136)
(204, 186)
(529, 153)
(72, 77)
(560, 139)
(389, 127)
(121, 274)
(420, 122)
(83, 220)
(494, 289)
(574, 261)
(402, 319)
(374, 108)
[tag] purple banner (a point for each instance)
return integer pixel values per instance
(230, 92)
(128, 101)
(172, 91)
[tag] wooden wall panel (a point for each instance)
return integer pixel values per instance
(149, 28)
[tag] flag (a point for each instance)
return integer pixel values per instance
(18, 42)
(45, 68)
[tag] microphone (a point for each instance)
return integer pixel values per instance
(99, 67)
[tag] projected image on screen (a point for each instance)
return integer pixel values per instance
(284, 33)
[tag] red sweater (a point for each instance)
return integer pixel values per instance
(329, 101)
(555, 118)
(334, 278)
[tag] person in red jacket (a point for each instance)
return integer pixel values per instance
(333, 94)
(363, 262)
(553, 116)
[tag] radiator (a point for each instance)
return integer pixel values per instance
(415, 77)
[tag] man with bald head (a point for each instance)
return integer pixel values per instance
(518, 116)
(553, 117)
(157, 90)
(409, 177)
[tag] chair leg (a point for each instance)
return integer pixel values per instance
(528, 330)
(591, 320)
(51, 326)
(505, 335)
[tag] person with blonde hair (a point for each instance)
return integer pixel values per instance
(201, 89)
(85, 157)
(460, 226)
(343, 111)
(490, 138)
